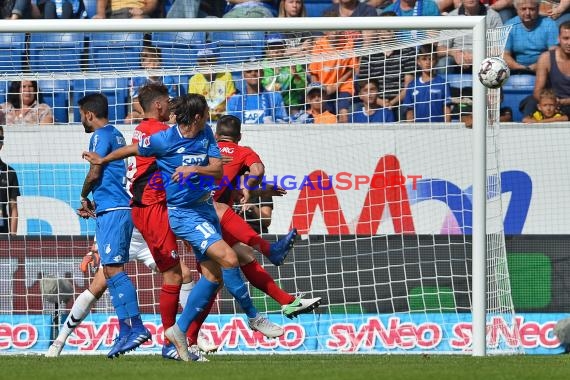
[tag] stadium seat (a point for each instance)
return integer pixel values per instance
(115, 51)
(56, 52)
(55, 93)
(316, 9)
(178, 48)
(460, 80)
(90, 7)
(515, 90)
(238, 47)
(12, 47)
(3, 91)
(116, 90)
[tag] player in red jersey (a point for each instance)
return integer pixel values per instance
(240, 160)
(149, 212)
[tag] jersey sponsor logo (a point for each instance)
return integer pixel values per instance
(193, 159)
(227, 150)
(138, 135)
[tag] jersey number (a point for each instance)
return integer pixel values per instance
(206, 229)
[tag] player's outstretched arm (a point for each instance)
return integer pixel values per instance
(214, 169)
(119, 154)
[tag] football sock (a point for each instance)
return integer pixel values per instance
(238, 228)
(80, 309)
(185, 290)
(168, 304)
(197, 302)
(258, 277)
(123, 296)
(237, 288)
(196, 324)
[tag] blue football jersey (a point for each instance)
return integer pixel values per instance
(109, 192)
(172, 150)
(428, 99)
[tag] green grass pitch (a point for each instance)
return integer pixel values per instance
(287, 367)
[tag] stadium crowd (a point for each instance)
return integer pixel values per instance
(378, 87)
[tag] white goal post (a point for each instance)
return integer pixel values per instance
(483, 131)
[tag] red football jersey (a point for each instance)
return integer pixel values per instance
(143, 174)
(242, 158)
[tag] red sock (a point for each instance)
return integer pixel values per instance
(168, 304)
(258, 277)
(195, 325)
(236, 226)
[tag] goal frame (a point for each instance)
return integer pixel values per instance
(476, 23)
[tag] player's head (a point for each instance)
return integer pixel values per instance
(153, 98)
(94, 111)
(547, 103)
(190, 110)
(228, 128)
(151, 57)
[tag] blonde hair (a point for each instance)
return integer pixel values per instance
(547, 93)
(282, 9)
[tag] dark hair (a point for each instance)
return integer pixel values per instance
(151, 52)
(364, 82)
(14, 96)
(96, 103)
(229, 125)
(427, 49)
(564, 25)
(187, 106)
(149, 92)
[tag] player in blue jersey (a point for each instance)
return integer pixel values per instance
(191, 212)
(114, 226)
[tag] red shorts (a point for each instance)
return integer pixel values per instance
(152, 222)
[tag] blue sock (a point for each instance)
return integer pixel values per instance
(198, 299)
(120, 284)
(124, 327)
(237, 288)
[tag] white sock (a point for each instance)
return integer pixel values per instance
(80, 309)
(185, 290)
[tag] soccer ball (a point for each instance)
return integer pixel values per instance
(493, 72)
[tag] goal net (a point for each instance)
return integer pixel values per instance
(368, 124)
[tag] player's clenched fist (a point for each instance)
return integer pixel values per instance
(91, 260)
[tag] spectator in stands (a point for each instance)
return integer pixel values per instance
(63, 9)
(24, 106)
(250, 9)
(215, 87)
(413, 8)
(392, 69)
(559, 12)
(547, 110)
(151, 59)
(370, 111)
(553, 69)
(258, 210)
(126, 8)
(530, 36)
(316, 112)
(255, 105)
(290, 81)
(505, 8)
(351, 8)
(16, 9)
(184, 9)
(297, 42)
(9, 192)
(428, 96)
(337, 74)
(460, 50)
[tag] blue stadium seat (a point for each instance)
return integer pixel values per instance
(116, 90)
(55, 93)
(90, 7)
(515, 90)
(237, 47)
(178, 48)
(115, 51)
(316, 9)
(11, 52)
(3, 91)
(460, 80)
(56, 52)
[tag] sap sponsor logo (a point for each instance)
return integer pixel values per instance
(227, 150)
(235, 334)
(18, 336)
(193, 159)
(346, 337)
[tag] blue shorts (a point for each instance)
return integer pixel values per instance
(198, 225)
(114, 230)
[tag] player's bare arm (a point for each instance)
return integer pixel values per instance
(255, 175)
(87, 208)
(214, 169)
(119, 154)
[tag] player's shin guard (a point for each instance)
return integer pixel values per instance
(258, 277)
(168, 304)
(80, 309)
(197, 302)
(239, 229)
(237, 288)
